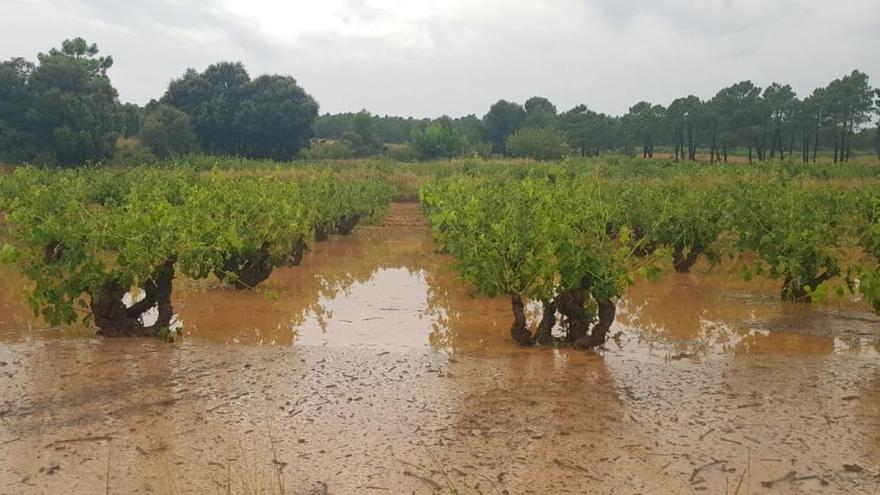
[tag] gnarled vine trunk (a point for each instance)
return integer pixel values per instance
(296, 256)
(683, 263)
(571, 305)
(794, 292)
(347, 223)
(519, 331)
(544, 334)
(114, 319)
(52, 252)
(246, 270)
(599, 333)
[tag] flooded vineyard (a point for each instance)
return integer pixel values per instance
(370, 369)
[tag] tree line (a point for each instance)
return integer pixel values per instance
(63, 110)
(766, 123)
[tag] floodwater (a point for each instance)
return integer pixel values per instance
(370, 369)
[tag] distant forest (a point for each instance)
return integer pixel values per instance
(63, 110)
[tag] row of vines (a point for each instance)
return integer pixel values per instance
(575, 240)
(103, 246)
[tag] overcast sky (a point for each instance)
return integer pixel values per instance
(432, 57)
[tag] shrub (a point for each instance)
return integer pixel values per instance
(538, 143)
(167, 131)
(131, 152)
(438, 139)
(401, 152)
(324, 149)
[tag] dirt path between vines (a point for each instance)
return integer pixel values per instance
(372, 371)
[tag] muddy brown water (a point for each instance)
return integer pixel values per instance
(370, 369)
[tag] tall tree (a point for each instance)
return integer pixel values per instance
(62, 111)
(438, 139)
(540, 112)
(782, 104)
(503, 119)
(644, 122)
(269, 117)
(167, 131)
(588, 132)
(274, 119)
(877, 130)
(363, 136)
(19, 140)
(683, 117)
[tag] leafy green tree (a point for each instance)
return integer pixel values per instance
(323, 149)
(540, 143)
(269, 117)
(588, 132)
(683, 116)
(504, 119)
(471, 127)
(388, 128)
(167, 131)
(782, 103)
(18, 141)
(852, 102)
(275, 118)
(132, 152)
(644, 121)
(439, 139)
(131, 120)
(62, 111)
(877, 131)
(540, 112)
(363, 138)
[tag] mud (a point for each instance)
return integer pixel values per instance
(370, 369)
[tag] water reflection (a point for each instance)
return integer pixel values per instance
(387, 287)
(718, 312)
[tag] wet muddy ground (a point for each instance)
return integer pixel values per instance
(370, 369)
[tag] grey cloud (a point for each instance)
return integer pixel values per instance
(607, 54)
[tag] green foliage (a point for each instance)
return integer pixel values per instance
(796, 230)
(62, 111)
(88, 237)
(540, 112)
(167, 131)
(268, 117)
(401, 152)
(589, 132)
(363, 137)
(322, 149)
(131, 120)
(538, 239)
(503, 119)
(131, 152)
(538, 143)
(572, 236)
(438, 139)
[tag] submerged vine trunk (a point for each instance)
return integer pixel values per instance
(519, 331)
(599, 334)
(544, 335)
(247, 269)
(571, 304)
(347, 223)
(793, 292)
(296, 256)
(683, 263)
(114, 319)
